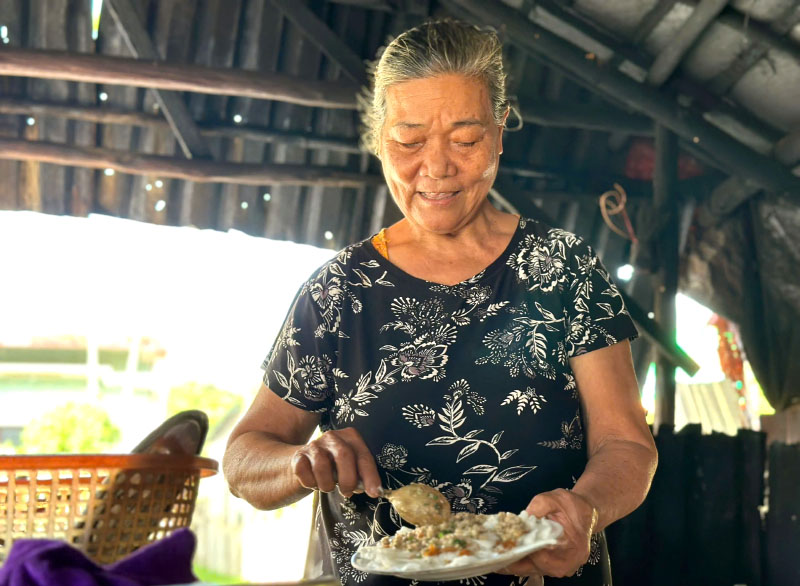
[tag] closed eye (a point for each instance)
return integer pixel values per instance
(467, 144)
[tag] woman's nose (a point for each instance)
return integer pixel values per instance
(436, 162)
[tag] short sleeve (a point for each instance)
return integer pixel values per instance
(299, 367)
(595, 314)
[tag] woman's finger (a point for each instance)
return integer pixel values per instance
(344, 461)
(301, 467)
(323, 466)
(365, 466)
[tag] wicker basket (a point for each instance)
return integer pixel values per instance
(106, 506)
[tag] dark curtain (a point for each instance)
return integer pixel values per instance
(746, 267)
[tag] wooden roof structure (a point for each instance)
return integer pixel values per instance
(241, 114)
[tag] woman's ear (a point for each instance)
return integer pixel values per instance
(502, 128)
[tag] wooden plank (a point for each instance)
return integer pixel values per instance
(783, 516)
(43, 64)
(730, 194)
(229, 204)
(652, 19)
(11, 16)
(668, 502)
(666, 287)
(82, 191)
(668, 60)
(724, 81)
(30, 191)
(285, 213)
(171, 104)
(790, 18)
(751, 460)
(48, 30)
(384, 5)
(114, 115)
(201, 171)
(319, 34)
(787, 149)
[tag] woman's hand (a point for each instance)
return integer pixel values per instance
(578, 517)
(337, 457)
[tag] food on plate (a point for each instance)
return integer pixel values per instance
(465, 539)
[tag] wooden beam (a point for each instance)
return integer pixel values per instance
(680, 119)
(671, 56)
(110, 115)
(787, 149)
(724, 81)
(786, 22)
(665, 207)
(171, 103)
(383, 5)
(730, 194)
(180, 168)
(585, 116)
(320, 35)
(756, 31)
(652, 19)
(177, 77)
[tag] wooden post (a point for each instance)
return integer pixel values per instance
(666, 285)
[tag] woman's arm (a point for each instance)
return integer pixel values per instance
(622, 461)
(622, 454)
(269, 464)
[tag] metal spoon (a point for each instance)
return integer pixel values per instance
(419, 504)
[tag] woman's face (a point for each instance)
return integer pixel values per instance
(440, 147)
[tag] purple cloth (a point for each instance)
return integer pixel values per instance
(45, 562)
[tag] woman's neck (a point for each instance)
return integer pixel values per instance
(452, 257)
(488, 225)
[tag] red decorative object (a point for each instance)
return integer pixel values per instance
(640, 162)
(730, 353)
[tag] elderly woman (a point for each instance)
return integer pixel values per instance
(462, 347)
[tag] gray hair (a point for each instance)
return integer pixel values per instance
(434, 48)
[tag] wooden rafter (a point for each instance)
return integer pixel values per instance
(180, 168)
(318, 33)
(724, 81)
(585, 116)
(682, 120)
(652, 19)
(177, 77)
(383, 5)
(756, 31)
(671, 56)
(171, 103)
(786, 21)
(787, 149)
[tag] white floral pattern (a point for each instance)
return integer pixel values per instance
(464, 387)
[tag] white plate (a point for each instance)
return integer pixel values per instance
(427, 569)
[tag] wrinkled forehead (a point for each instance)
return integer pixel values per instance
(446, 98)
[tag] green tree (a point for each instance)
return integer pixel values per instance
(71, 429)
(218, 404)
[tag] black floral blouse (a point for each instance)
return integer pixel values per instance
(466, 387)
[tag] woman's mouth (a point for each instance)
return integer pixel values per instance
(438, 195)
